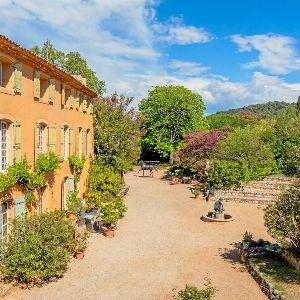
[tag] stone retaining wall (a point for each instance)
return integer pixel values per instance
(265, 286)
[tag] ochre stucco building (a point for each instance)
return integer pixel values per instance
(42, 109)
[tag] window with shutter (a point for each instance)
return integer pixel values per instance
(63, 95)
(36, 84)
(51, 93)
(52, 138)
(78, 100)
(17, 142)
(72, 98)
(20, 207)
(84, 142)
(4, 222)
(84, 103)
(17, 78)
(70, 140)
(77, 150)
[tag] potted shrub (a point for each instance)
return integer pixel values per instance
(175, 176)
(81, 244)
(74, 206)
(110, 216)
(198, 190)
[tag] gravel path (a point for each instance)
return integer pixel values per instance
(160, 244)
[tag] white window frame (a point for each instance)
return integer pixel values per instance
(66, 143)
(41, 138)
(3, 146)
(4, 225)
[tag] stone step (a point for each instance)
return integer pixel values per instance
(251, 200)
(249, 193)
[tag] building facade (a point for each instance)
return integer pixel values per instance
(42, 109)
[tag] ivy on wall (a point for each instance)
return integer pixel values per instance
(19, 173)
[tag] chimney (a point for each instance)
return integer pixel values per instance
(80, 78)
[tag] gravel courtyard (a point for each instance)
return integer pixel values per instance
(160, 244)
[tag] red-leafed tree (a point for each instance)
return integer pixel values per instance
(196, 148)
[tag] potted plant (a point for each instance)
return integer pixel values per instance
(81, 244)
(109, 215)
(198, 190)
(175, 176)
(74, 206)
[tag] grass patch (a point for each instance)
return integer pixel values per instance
(281, 275)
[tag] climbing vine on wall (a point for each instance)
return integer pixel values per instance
(19, 173)
(76, 165)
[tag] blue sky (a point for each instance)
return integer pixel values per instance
(233, 53)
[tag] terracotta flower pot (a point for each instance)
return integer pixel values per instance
(110, 232)
(79, 255)
(174, 180)
(197, 196)
(72, 217)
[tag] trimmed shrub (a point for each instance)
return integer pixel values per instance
(282, 218)
(39, 248)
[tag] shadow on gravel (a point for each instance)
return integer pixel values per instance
(231, 255)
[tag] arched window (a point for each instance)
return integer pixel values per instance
(3, 145)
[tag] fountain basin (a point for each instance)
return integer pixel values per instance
(211, 218)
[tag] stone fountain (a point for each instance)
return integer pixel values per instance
(218, 215)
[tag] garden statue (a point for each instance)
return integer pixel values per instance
(218, 207)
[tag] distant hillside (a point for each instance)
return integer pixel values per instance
(265, 110)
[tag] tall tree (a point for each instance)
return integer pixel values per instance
(72, 63)
(117, 132)
(170, 112)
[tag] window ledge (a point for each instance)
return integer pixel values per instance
(6, 91)
(41, 100)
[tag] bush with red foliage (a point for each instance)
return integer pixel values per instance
(196, 148)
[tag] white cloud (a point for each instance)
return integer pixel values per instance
(277, 53)
(187, 68)
(118, 39)
(174, 31)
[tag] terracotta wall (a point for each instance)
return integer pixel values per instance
(24, 108)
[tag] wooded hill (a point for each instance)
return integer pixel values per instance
(265, 110)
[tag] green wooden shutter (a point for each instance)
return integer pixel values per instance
(84, 136)
(17, 142)
(71, 183)
(36, 140)
(20, 207)
(77, 141)
(62, 141)
(78, 100)
(91, 108)
(84, 103)
(51, 94)
(36, 84)
(70, 140)
(52, 138)
(17, 78)
(63, 94)
(72, 98)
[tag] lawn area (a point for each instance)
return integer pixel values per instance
(281, 275)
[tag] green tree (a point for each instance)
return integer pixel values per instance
(282, 218)
(117, 132)
(72, 63)
(251, 148)
(169, 113)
